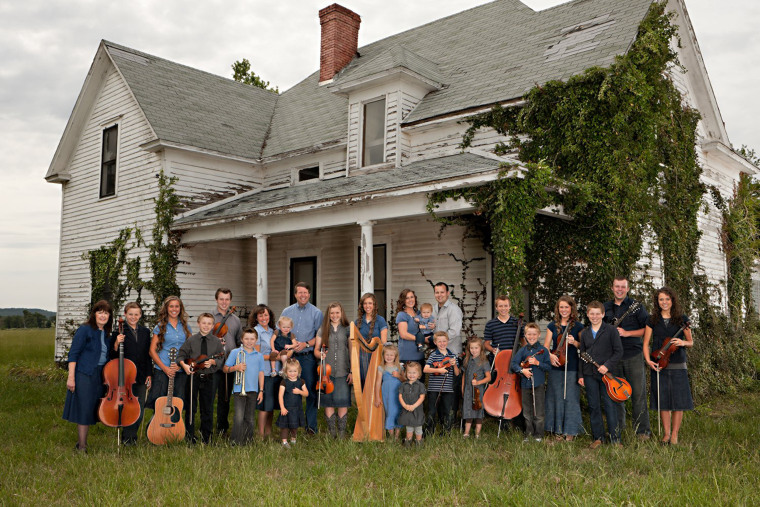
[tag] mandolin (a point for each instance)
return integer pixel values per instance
(167, 425)
(618, 388)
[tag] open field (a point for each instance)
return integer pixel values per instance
(718, 461)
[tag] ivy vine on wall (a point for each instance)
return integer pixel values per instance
(114, 275)
(619, 145)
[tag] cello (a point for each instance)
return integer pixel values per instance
(503, 398)
(120, 407)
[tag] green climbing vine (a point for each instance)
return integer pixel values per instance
(619, 145)
(740, 237)
(164, 251)
(114, 275)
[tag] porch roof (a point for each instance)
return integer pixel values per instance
(355, 187)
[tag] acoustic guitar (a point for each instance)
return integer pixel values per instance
(618, 388)
(167, 425)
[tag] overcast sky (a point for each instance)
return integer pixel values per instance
(47, 47)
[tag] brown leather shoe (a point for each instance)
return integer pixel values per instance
(595, 444)
(643, 437)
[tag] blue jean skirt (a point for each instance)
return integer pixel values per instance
(81, 406)
(341, 395)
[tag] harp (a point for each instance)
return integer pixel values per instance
(370, 419)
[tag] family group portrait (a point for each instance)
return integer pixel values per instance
(475, 252)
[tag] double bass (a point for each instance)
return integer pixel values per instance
(120, 407)
(503, 398)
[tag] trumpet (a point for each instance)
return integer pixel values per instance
(240, 375)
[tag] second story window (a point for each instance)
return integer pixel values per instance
(108, 162)
(308, 173)
(373, 135)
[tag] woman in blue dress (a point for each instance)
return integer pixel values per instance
(406, 313)
(88, 354)
(371, 325)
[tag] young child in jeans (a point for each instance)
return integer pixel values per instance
(532, 362)
(427, 326)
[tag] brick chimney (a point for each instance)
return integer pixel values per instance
(340, 38)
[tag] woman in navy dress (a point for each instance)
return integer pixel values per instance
(674, 390)
(88, 354)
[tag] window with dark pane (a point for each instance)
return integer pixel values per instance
(373, 151)
(303, 269)
(108, 162)
(308, 173)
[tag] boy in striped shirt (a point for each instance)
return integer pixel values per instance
(442, 365)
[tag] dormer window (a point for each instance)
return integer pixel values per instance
(108, 162)
(308, 173)
(373, 145)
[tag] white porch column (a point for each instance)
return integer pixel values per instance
(262, 285)
(367, 264)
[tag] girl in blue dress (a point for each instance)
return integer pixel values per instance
(389, 378)
(88, 354)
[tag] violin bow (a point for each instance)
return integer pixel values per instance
(564, 394)
(659, 423)
(321, 371)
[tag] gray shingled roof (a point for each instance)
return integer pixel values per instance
(195, 108)
(395, 56)
(415, 174)
(488, 54)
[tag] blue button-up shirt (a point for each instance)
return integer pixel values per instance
(307, 320)
(174, 338)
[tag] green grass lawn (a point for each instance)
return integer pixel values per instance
(718, 461)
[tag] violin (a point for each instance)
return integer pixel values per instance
(662, 355)
(198, 364)
(220, 328)
(324, 371)
(526, 363)
(503, 398)
(476, 402)
(447, 362)
(562, 346)
(120, 407)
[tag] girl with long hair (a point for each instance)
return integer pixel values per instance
(170, 332)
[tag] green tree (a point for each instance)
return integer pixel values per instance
(242, 73)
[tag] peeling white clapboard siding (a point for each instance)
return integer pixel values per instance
(83, 212)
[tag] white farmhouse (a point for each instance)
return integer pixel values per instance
(328, 181)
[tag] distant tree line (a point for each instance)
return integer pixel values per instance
(27, 320)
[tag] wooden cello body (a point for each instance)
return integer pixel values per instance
(167, 425)
(370, 420)
(120, 407)
(503, 398)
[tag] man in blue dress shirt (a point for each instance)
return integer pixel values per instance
(307, 319)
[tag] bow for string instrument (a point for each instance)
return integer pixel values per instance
(120, 407)
(618, 388)
(503, 399)
(662, 355)
(220, 331)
